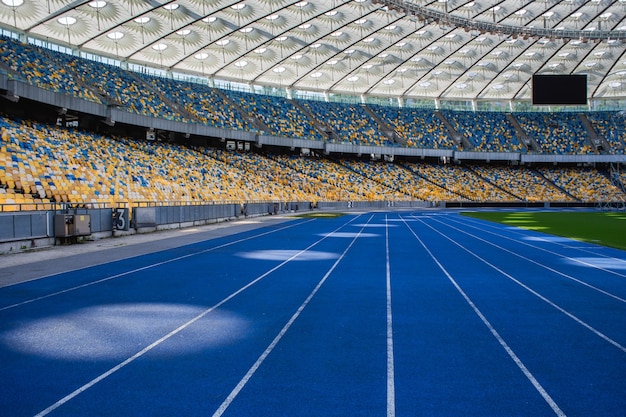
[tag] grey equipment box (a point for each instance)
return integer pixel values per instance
(69, 225)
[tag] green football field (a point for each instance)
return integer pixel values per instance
(604, 228)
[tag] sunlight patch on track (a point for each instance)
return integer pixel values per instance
(554, 239)
(597, 262)
(107, 332)
(349, 235)
(284, 254)
(375, 225)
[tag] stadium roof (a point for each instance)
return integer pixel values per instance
(441, 49)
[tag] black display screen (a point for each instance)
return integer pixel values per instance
(559, 89)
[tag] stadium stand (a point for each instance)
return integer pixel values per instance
(606, 126)
(41, 165)
(203, 102)
(523, 183)
(43, 68)
(277, 113)
(562, 133)
(418, 127)
(556, 133)
(586, 184)
(336, 182)
(391, 176)
(487, 131)
(351, 122)
(459, 183)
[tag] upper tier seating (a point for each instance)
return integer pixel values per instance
(486, 131)
(121, 87)
(612, 127)
(203, 102)
(418, 127)
(561, 133)
(277, 113)
(351, 122)
(43, 68)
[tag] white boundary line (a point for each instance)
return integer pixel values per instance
(557, 410)
(242, 383)
(391, 390)
(555, 271)
(182, 327)
(533, 292)
(43, 297)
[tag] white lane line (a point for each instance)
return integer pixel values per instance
(391, 390)
(175, 331)
(555, 271)
(557, 410)
(43, 297)
(587, 264)
(242, 383)
(533, 292)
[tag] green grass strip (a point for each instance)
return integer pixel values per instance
(603, 228)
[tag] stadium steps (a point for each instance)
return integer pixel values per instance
(461, 141)
(387, 130)
(173, 105)
(325, 130)
(614, 177)
(530, 142)
(597, 142)
(493, 184)
(11, 72)
(251, 119)
(104, 98)
(375, 179)
(558, 187)
(430, 181)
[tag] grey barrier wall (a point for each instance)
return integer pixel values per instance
(153, 217)
(373, 205)
(255, 209)
(145, 218)
(25, 226)
(40, 224)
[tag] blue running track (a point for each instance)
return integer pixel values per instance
(414, 313)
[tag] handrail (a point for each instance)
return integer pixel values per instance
(430, 15)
